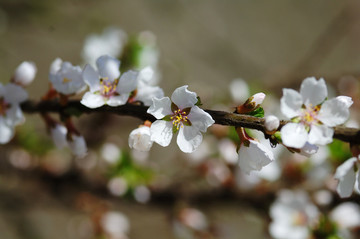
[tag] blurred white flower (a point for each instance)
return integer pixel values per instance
(58, 134)
(346, 215)
(25, 73)
(347, 173)
(117, 186)
(142, 194)
(292, 214)
(110, 152)
(111, 42)
(115, 224)
(77, 145)
(66, 78)
(106, 85)
(11, 96)
(239, 90)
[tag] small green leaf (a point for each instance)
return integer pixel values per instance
(198, 103)
(167, 118)
(258, 112)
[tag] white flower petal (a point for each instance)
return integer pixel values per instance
(161, 132)
(254, 157)
(145, 94)
(312, 91)
(294, 135)
(139, 139)
(6, 131)
(78, 146)
(14, 115)
(309, 149)
(346, 175)
(117, 100)
(346, 100)
(290, 103)
(14, 93)
(160, 107)
(320, 135)
(200, 119)
(91, 78)
(146, 75)
(188, 139)
(92, 100)
(108, 67)
(184, 98)
(334, 112)
(58, 134)
(127, 82)
(55, 66)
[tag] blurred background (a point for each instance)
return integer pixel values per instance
(47, 193)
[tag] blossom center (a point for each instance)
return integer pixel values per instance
(309, 115)
(108, 88)
(66, 80)
(3, 107)
(179, 118)
(299, 219)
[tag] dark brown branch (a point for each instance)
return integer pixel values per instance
(350, 135)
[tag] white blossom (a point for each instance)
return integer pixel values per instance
(106, 85)
(145, 90)
(115, 224)
(139, 139)
(292, 214)
(11, 96)
(58, 134)
(347, 173)
(239, 90)
(111, 42)
(77, 145)
(25, 73)
(312, 115)
(179, 114)
(254, 156)
(66, 78)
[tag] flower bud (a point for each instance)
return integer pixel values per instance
(139, 139)
(58, 134)
(78, 146)
(251, 103)
(272, 123)
(25, 73)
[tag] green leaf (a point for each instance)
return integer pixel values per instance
(198, 103)
(258, 112)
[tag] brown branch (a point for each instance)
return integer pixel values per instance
(350, 135)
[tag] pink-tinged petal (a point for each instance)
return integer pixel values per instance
(139, 139)
(161, 132)
(290, 103)
(254, 157)
(6, 132)
(145, 94)
(160, 107)
(91, 78)
(14, 93)
(294, 135)
(345, 173)
(189, 138)
(108, 67)
(200, 119)
(184, 98)
(312, 91)
(333, 112)
(92, 100)
(128, 82)
(320, 135)
(117, 100)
